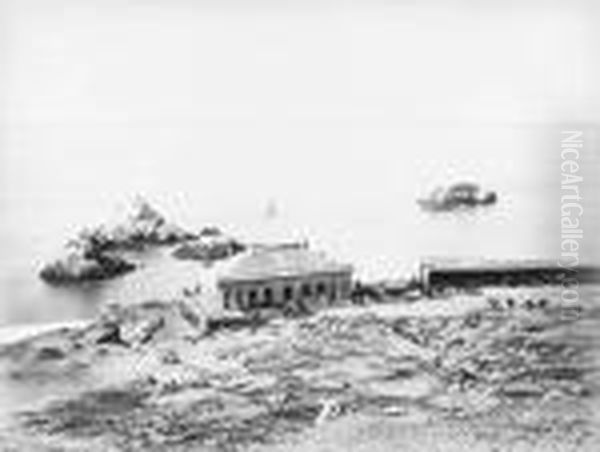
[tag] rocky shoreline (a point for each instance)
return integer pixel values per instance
(515, 377)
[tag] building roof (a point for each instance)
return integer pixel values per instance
(473, 264)
(284, 261)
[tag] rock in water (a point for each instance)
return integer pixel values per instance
(210, 246)
(92, 253)
(78, 267)
(146, 226)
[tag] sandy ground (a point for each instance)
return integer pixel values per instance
(455, 374)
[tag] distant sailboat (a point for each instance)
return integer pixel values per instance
(271, 211)
(274, 229)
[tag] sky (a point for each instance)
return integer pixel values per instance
(333, 108)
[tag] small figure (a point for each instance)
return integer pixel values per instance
(330, 408)
(494, 304)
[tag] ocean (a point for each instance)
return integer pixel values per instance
(376, 226)
(339, 117)
(358, 205)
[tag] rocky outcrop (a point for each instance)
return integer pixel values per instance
(211, 245)
(145, 226)
(78, 267)
(145, 322)
(458, 196)
(93, 254)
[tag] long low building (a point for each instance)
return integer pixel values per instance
(438, 274)
(284, 276)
